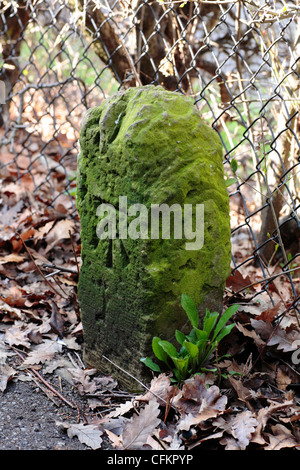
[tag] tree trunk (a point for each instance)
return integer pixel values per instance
(275, 177)
(13, 27)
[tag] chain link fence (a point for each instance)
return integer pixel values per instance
(239, 61)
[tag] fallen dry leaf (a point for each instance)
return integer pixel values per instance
(60, 231)
(137, 430)
(281, 438)
(176, 443)
(283, 379)
(85, 384)
(9, 214)
(56, 321)
(237, 282)
(230, 443)
(243, 426)
(161, 388)
(82, 379)
(4, 352)
(122, 409)
(277, 336)
(244, 393)
(153, 444)
(263, 416)
(12, 311)
(250, 334)
(12, 258)
(197, 403)
(6, 373)
(88, 434)
(270, 313)
(240, 426)
(195, 396)
(216, 435)
(115, 440)
(17, 335)
(42, 352)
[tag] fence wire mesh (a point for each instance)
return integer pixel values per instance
(239, 61)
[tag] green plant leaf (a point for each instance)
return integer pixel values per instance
(192, 337)
(230, 181)
(224, 319)
(209, 321)
(200, 334)
(225, 331)
(202, 345)
(196, 347)
(180, 337)
(182, 352)
(181, 365)
(191, 348)
(190, 309)
(159, 351)
(234, 165)
(149, 363)
(169, 348)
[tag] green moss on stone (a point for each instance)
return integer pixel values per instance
(150, 145)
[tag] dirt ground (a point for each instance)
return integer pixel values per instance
(28, 419)
(32, 417)
(37, 409)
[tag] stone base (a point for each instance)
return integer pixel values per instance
(151, 146)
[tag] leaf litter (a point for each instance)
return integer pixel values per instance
(251, 402)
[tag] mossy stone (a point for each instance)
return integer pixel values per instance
(149, 145)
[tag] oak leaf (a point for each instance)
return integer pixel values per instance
(122, 409)
(88, 434)
(199, 403)
(17, 335)
(281, 438)
(42, 352)
(237, 282)
(161, 388)
(140, 427)
(277, 336)
(263, 416)
(250, 334)
(243, 426)
(6, 373)
(196, 396)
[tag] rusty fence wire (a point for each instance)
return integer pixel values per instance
(239, 61)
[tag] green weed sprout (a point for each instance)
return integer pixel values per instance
(196, 347)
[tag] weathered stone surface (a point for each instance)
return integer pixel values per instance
(150, 145)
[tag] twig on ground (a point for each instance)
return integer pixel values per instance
(289, 365)
(44, 389)
(52, 389)
(37, 267)
(74, 251)
(137, 380)
(60, 268)
(267, 279)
